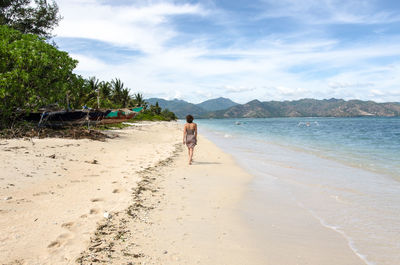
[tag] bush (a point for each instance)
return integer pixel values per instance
(148, 115)
(33, 74)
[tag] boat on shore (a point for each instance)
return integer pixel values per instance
(63, 118)
(120, 115)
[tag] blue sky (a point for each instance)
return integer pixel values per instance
(264, 49)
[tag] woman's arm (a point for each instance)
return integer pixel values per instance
(195, 131)
(184, 134)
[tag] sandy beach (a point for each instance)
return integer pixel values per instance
(134, 200)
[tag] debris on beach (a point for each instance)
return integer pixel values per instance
(70, 133)
(107, 215)
(115, 238)
(94, 162)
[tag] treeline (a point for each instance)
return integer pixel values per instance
(35, 74)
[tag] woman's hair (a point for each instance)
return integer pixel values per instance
(189, 118)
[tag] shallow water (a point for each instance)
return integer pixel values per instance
(344, 171)
(369, 143)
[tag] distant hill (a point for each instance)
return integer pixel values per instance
(225, 108)
(181, 108)
(308, 108)
(217, 104)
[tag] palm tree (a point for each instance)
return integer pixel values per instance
(117, 88)
(125, 97)
(94, 91)
(105, 89)
(138, 100)
(105, 94)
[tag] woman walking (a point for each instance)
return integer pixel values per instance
(190, 136)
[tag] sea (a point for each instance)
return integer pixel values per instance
(345, 172)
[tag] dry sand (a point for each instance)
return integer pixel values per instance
(159, 209)
(54, 191)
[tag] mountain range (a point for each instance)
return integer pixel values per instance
(182, 108)
(226, 108)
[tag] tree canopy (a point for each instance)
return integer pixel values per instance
(33, 73)
(36, 17)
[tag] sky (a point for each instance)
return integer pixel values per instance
(243, 50)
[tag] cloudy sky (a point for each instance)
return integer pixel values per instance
(241, 49)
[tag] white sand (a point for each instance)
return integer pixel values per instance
(56, 203)
(179, 214)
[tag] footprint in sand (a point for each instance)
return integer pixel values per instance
(68, 225)
(116, 191)
(54, 244)
(75, 181)
(40, 193)
(91, 176)
(59, 241)
(96, 200)
(94, 211)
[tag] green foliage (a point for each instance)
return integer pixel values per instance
(39, 18)
(139, 101)
(149, 115)
(33, 73)
(113, 126)
(94, 93)
(168, 115)
(155, 109)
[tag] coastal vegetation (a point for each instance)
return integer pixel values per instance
(39, 17)
(35, 75)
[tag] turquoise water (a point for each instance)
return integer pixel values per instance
(345, 172)
(370, 143)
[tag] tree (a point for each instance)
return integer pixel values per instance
(125, 98)
(138, 100)
(105, 95)
(168, 115)
(155, 109)
(77, 92)
(93, 92)
(117, 88)
(39, 18)
(33, 73)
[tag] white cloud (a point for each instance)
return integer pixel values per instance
(143, 28)
(347, 84)
(329, 11)
(274, 66)
(89, 64)
(240, 89)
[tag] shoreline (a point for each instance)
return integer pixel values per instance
(163, 212)
(293, 178)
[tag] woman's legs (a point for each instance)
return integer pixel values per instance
(190, 155)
